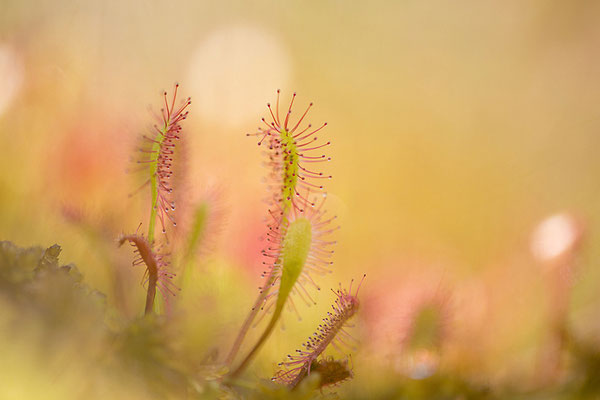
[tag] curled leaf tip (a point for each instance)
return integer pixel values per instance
(157, 275)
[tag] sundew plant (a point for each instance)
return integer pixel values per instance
(298, 244)
(299, 238)
(292, 199)
(186, 328)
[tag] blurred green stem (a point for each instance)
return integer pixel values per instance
(154, 186)
(249, 319)
(257, 346)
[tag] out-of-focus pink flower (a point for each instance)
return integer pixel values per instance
(407, 319)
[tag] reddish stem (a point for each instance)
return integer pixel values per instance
(145, 251)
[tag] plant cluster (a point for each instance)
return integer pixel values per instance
(142, 357)
(299, 244)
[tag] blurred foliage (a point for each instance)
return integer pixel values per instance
(73, 340)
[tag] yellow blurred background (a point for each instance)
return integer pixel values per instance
(456, 128)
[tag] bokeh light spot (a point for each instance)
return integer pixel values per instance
(234, 71)
(11, 76)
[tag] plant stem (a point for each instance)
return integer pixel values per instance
(154, 189)
(144, 248)
(153, 278)
(151, 294)
(258, 344)
(248, 322)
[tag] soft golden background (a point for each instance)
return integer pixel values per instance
(457, 126)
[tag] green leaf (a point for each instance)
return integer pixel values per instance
(296, 247)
